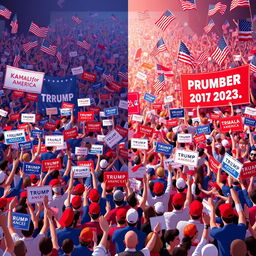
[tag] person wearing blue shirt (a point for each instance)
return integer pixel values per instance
(48, 155)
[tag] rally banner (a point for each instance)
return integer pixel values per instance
(213, 164)
(89, 76)
(53, 164)
(23, 80)
(139, 143)
(177, 113)
(16, 136)
(81, 151)
(93, 127)
(248, 170)
(115, 179)
(231, 166)
(57, 90)
(37, 194)
(84, 102)
(70, 134)
(86, 116)
(184, 157)
(250, 122)
(133, 103)
(148, 131)
(54, 141)
(112, 138)
(111, 111)
(164, 148)
(184, 137)
(96, 149)
(81, 171)
(216, 89)
(149, 97)
(21, 221)
(28, 118)
(199, 138)
(234, 123)
(203, 129)
(26, 145)
(31, 168)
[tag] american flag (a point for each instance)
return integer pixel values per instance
(219, 7)
(48, 48)
(5, 12)
(164, 70)
(14, 25)
(38, 31)
(164, 21)
(82, 43)
(30, 45)
(59, 57)
(239, 3)
(143, 15)
(76, 19)
(16, 58)
(160, 47)
(159, 85)
(253, 65)
(221, 51)
(114, 18)
(184, 55)
(123, 74)
(244, 30)
(188, 4)
(209, 26)
(201, 58)
(107, 76)
(225, 25)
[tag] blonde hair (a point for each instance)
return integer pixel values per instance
(158, 244)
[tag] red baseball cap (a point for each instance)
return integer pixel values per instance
(94, 208)
(226, 210)
(196, 208)
(54, 182)
(3, 202)
(94, 195)
(86, 234)
(121, 213)
(33, 178)
(158, 188)
(67, 217)
(178, 199)
(79, 188)
(24, 194)
(76, 202)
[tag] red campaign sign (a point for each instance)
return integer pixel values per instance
(115, 87)
(53, 164)
(214, 116)
(42, 150)
(96, 110)
(133, 103)
(50, 126)
(105, 96)
(86, 116)
(67, 105)
(148, 131)
(23, 126)
(14, 117)
(86, 163)
(157, 106)
(115, 179)
(199, 138)
(248, 170)
(123, 152)
(38, 117)
(18, 94)
(70, 134)
(216, 89)
(93, 127)
(122, 131)
(214, 164)
(32, 97)
(234, 123)
(89, 76)
(172, 123)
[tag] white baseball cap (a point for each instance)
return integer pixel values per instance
(180, 183)
(209, 249)
(132, 216)
(159, 207)
(103, 163)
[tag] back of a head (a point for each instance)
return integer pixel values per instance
(251, 245)
(131, 240)
(67, 246)
(20, 248)
(238, 248)
(45, 245)
(179, 251)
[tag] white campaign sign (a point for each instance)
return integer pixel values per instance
(250, 111)
(51, 111)
(141, 76)
(65, 111)
(123, 104)
(168, 99)
(184, 138)
(139, 143)
(3, 113)
(107, 122)
(96, 149)
(23, 80)
(15, 136)
(73, 54)
(84, 102)
(77, 70)
(158, 219)
(185, 157)
(81, 171)
(37, 194)
(112, 138)
(100, 137)
(137, 118)
(81, 151)
(54, 140)
(28, 118)
(138, 173)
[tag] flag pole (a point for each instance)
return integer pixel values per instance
(250, 11)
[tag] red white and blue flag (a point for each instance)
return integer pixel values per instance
(159, 85)
(253, 64)
(221, 52)
(76, 19)
(59, 57)
(160, 47)
(14, 25)
(107, 76)
(201, 58)
(5, 12)
(48, 48)
(38, 31)
(164, 21)
(239, 3)
(16, 58)
(123, 74)
(209, 26)
(214, 8)
(244, 30)
(184, 55)
(82, 43)
(188, 4)
(30, 45)
(164, 70)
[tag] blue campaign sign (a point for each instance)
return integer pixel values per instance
(97, 85)
(15, 136)
(250, 122)
(177, 113)
(99, 68)
(164, 148)
(35, 133)
(231, 166)
(31, 168)
(21, 221)
(203, 129)
(111, 111)
(149, 97)
(57, 90)
(26, 145)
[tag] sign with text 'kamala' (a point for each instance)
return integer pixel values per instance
(16, 136)
(139, 143)
(23, 80)
(177, 113)
(55, 140)
(216, 89)
(231, 166)
(37, 194)
(248, 170)
(115, 179)
(133, 103)
(164, 148)
(185, 157)
(234, 123)
(81, 171)
(31, 168)
(21, 221)
(203, 129)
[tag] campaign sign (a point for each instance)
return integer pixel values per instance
(185, 157)
(35, 133)
(51, 111)
(137, 171)
(86, 116)
(23, 80)
(14, 117)
(37, 194)
(100, 138)
(70, 133)
(81, 151)
(3, 113)
(248, 170)
(53, 164)
(122, 131)
(86, 163)
(216, 89)
(199, 138)
(123, 104)
(115, 179)
(184, 137)
(42, 149)
(32, 97)
(234, 123)
(148, 131)
(99, 68)
(137, 118)
(168, 99)
(21, 221)
(55, 140)
(89, 76)
(65, 111)
(231, 166)
(26, 145)
(203, 129)
(105, 96)
(96, 149)
(31, 168)
(81, 171)
(123, 152)
(111, 111)
(157, 106)
(250, 122)
(96, 86)
(177, 113)
(77, 70)
(93, 127)
(16, 136)
(28, 118)
(250, 111)
(67, 105)
(133, 103)
(73, 54)
(141, 76)
(18, 94)
(172, 123)
(149, 97)
(107, 122)
(213, 164)
(214, 116)
(112, 138)
(50, 126)
(139, 143)
(164, 148)
(115, 87)
(84, 102)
